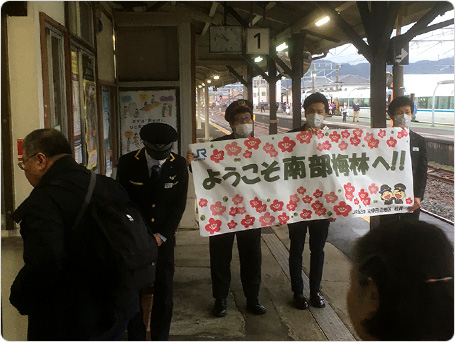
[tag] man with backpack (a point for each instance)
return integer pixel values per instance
(157, 180)
(65, 287)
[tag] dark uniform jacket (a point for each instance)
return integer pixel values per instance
(162, 202)
(419, 163)
(62, 302)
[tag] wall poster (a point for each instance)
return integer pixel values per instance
(90, 110)
(140, 107)
(90, 122)
(76, 107)
(106, 103)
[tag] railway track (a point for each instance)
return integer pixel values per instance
(441, 175)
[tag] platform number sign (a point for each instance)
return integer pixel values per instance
(257, 41)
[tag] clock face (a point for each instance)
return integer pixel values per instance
(226, 39)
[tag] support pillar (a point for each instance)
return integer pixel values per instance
(296, 57)
(249, 78)
(199, 108)
(397, 70)
(273, 124)
(207, 118)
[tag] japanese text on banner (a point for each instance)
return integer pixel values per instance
(257, 182)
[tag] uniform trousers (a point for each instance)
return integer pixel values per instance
(249, 246)
(319, 230)
(160, 321)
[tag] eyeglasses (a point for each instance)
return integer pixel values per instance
(239, 120)
(21, 163)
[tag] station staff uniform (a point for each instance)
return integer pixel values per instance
(162, 200)
(318, 230)
(418, 148)
(249, 247)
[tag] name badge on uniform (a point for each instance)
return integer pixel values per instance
(415, 149)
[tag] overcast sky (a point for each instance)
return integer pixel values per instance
(434, 45)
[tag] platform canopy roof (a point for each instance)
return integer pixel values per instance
(285, 18)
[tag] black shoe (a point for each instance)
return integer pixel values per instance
(220, 308)
(300, 302)
(317, 300)
(255, 307)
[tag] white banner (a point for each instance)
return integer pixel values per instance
(258, 182)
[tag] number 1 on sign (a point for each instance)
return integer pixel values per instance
(258, 36)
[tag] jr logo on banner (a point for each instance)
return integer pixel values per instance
(257, 182)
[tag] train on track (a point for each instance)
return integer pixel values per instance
(423, 86)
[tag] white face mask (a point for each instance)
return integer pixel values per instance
(402, 119)
(314, 120)
(243, 130)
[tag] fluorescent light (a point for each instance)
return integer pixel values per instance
(203, 84)
(209, 81)
(258, 59)
(199, 86)
(281, 47)
(216, 77)
(322, 21)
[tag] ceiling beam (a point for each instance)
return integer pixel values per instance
(365, 16)
(287, 70)
(436, 27)
(156, 6)
(258, 70)
(237, 75)
(278, 15)
(236, 16)
(422, 23)
(209, 62)
(347, 29)
(195, 13)
(211, 14)
(322, 36)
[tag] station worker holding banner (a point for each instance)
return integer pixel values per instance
(239, 114)
(401, 111)
(316, 108)
(312, 175)
(157, 180)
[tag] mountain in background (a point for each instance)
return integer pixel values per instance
(442, 66)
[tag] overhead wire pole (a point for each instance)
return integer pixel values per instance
(296, 57)
(397, 70)
(207, 118)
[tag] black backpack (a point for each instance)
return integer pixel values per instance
(111, 244)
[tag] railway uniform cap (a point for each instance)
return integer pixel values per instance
(239, 106)
(385, 188)
(400, 187)
(158, 133)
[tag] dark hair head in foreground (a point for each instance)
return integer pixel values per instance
(402, 283)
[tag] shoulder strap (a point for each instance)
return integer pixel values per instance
(87, 199)
(78, 191)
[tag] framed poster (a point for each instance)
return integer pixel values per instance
(107, 141)
(91, 132)
(140, 107)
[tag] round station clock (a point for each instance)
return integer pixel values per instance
(226, 39)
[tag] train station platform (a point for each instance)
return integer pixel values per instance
(442, 132)
(193, 301)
